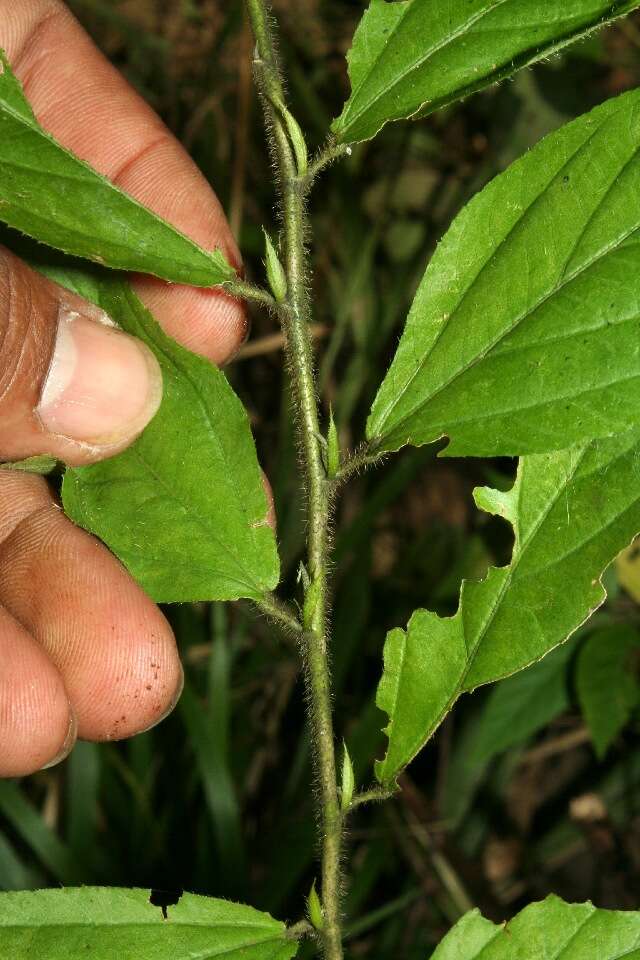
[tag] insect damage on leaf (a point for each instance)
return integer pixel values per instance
(572, 511)
(165, 899)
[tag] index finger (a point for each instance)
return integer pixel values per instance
(85, 103)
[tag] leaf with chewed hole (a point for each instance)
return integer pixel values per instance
(103, 923)
(572, 512)
(551, 929)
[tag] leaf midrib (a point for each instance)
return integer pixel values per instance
(248, 520)
(275, 939)
(152, 922)
(541, 404)
(519, 550)
(450, 38)
(33, 126)
(566, 279)
(225, 548)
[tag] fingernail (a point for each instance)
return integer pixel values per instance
(103, 386)
(67, 746)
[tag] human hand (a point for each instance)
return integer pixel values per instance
(83, 651)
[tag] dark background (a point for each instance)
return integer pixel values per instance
(218, 798)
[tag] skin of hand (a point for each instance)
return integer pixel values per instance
(83, 652)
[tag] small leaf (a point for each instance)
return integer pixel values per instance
(42, 465)
(184, 507)
(310, 608)
(296, 137)
(551, 929)
(275, 274)
(314, 908)
(467, 939)
(607, 687)
(348, 781)
(523, 335)
(411, 58)
(104, 923)
(572, 512)
(333, 448)
(303, 576)
(51, 195)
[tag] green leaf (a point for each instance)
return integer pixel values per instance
(51, 195)
(275, 272)
(523, 335)
(411, 58)
(333, 448)
(314, 908)
(184, 507)
(572, 512)
(551, 929)
(103, 923)
(607, 687)
(467, 939)
(347, 781)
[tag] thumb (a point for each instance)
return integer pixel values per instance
(71, 385)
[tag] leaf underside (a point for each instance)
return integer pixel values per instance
(49, 194)
(551, 929)
(411, 58)
(572, 512)
(103, 923)
(184, 507)
(523, 336)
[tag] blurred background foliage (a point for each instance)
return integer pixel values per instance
(530, 787)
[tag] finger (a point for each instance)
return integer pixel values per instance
(87, 105)
(37, 726)
(113, 648)
(70, 385)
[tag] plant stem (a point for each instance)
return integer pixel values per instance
(332, 151)
(299, 930)
(296, 316)
(247, 291)
(357, 462)
(281, 612)
(372, 796)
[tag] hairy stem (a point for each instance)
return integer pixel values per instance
(331, 152)
(247, 291)
(280, 613)
(372, 796)
(296, 315)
